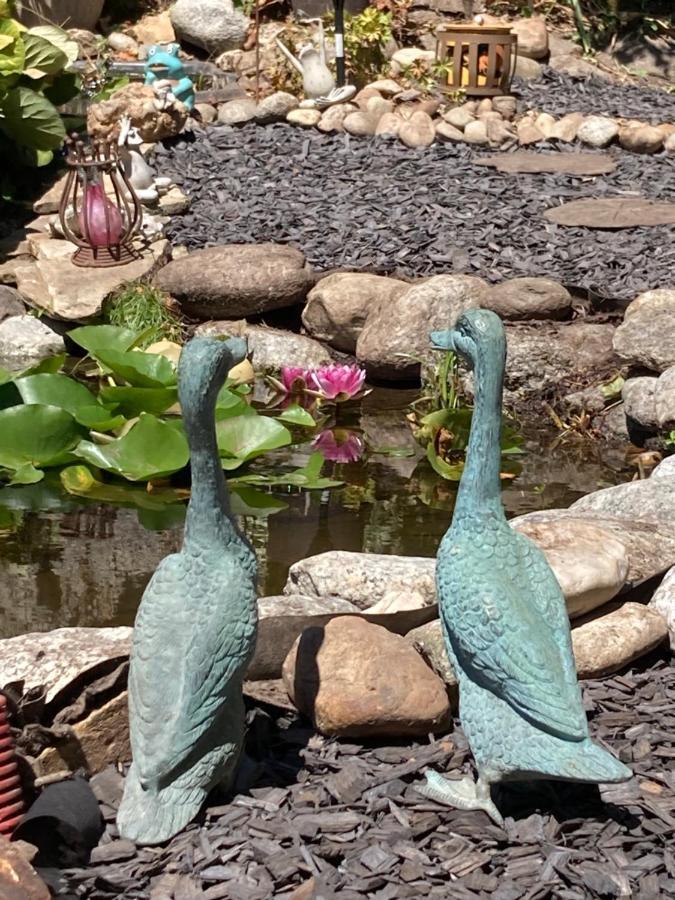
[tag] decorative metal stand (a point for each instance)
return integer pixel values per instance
(480, 59)
(99, 211)
(340, 73)
(11, 794)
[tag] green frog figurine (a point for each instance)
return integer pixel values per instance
(164, 71)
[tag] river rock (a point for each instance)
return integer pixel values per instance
(18, 879)
(430, 642)
(306, 118)
(597, 131)
(566, 128)
(532, 37)
(342, 677)
(530, 298)
(276, 107)
(389, 125)
(653, 501)
(94, 743)
(235, 280)
(638, 400)
(237, 112)
(590, 563)
(459, 117)
(665, 469)
(656, 300)
(122, 43)
(334, 117)
(272, 348)
(417, 131)
(397, 332)
(664, 399)
(281, 620)
(612, 641)
(360, 123)
(53, 661)
(139, 103)
(663, 602)
(528, 69)
(25, 341)
(505, 106)
(213, 25)
(476, 132)
(11, 303)
(338, 306)
(646, 338)
(447, 132)
(641, 139)
(528, 133)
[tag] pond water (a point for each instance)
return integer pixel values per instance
(67, 562)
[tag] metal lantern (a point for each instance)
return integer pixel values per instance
(479, 60)
(99, 210)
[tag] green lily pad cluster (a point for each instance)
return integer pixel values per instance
(118, 422)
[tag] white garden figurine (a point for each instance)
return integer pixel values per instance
(139, 173)
(317, 79)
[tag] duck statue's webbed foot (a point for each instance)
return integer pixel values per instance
(462, 794)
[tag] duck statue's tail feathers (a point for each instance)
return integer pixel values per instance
(590, 762)
(152, 817)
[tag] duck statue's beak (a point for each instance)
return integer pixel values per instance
(443, 340)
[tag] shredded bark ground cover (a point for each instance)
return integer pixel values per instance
(372, 204)
(345, 819)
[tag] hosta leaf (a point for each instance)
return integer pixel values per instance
(59, 38)
(30, 119)
(11, 48)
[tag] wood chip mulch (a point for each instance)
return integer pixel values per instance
(328, 819)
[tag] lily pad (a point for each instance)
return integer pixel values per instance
(245, 437)
(94, 338)
(132, 401)
(36, 435)
(148, 370)
(54, 390)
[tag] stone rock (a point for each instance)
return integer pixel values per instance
(306, 118)
(499, 131)
(213, 25)
(237, 112)
(122, 43)
(338, 306)
(342, 677)
(154, 29)
(663, 601)
(653, 501)
(505, 106)
(447, 132)
(396, 334)
(429, 641)
(571, 64)
(612, 641)
(484, 106)
(360, 123)
(364, 95)
(532, 37)
(589, 562)
(281, 620)
(641, 139)
(378, 107)
(72, 293)
(566, 128)
(459, 117)
(528, 133)
(87, 41)
(174, 202)
(597, 131)
(138, 103)
(389, 125)
(207, 112)
(25, 341)
(11, 303)
(646, 338)
(236, 280)
(528, 69)
(100, 740)
(664, 399)
(53, 661)
(49, 202)
(405, 57)
(417, 131)
(276, 107)
(545, 122)
(530, 298)
(669, 143)
(638, 401)
(386, 86)
(333, 118)
(665, 469)
(476, 132)
(18, 879)
(657, 300)
(272, 348)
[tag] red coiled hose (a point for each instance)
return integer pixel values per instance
(11, 794)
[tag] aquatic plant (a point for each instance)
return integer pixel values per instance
(333, 383)
(339, 445)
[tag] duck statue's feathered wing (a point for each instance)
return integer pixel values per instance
(194, 633)
(504, 618)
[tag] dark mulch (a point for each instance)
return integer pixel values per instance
(375, 205)
(558, 93)
(347, 816)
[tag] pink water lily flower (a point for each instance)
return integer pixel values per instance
(339, 445)
(338, 382)
(294, 379)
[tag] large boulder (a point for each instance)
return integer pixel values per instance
(530, 298)
(213, 25)
(532, 37)
(610, 642)
(236, 280)
(396, 334)
(139, 103)
(652, 501)
(356, 679)
(663, 602)
(272, 348)
(647, 336)
(25, 341)
(338, 306)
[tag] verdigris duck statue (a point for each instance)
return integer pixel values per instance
(194, 633)
(503, 616)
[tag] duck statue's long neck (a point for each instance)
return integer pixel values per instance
(480, 488)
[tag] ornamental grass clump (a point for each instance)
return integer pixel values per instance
(144, 309)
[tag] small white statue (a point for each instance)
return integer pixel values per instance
(317, 79)
(146, 186)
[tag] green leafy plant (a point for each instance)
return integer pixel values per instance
(366, 36)
(144, 308)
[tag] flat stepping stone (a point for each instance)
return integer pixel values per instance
(563, 163)
(613, 213)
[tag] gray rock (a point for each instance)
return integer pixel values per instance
(653, 501)
(207, 112)
(572, 64)
(281, 620)
(646, 338)
(665, 469)
(459, 117)
(429, 641)
(528, 69)
(597, 131)
(532, 37)
(389, 125)
(476, 132)
(11, 303)
(24, 341)
(272, 348)
(417, 131)
(664, 399)
(237, 112)
(505, 106)
(663, 602)
(612, 641)
(121, 42)
(337, 308)
(530, 298)
(276, 107)
(638, 400)
(447, 132)
(396, 334)
(236, 280)
(213, 25)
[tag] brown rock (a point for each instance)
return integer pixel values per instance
(360, 123)
(528, 133)
(608, 643)
(18, 879)
(337, 308)
(447, 132)
(306, 118)
(342, 676)
(530, 298)
(429, 640)
(484, 106)
(476, 133)
(138, 102)
(499, 132)
(528, 69)
(378, 107)
(532, 37)
(155, 29)
(641, 139)
(333, 118)
(545, 122)
(100, 740)
(364, 95)
(386, 87)
(459, 117)
(505, 106)
(565, 129)
(49, 202)
(236, 280)
(389, 125)
(417, 131)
